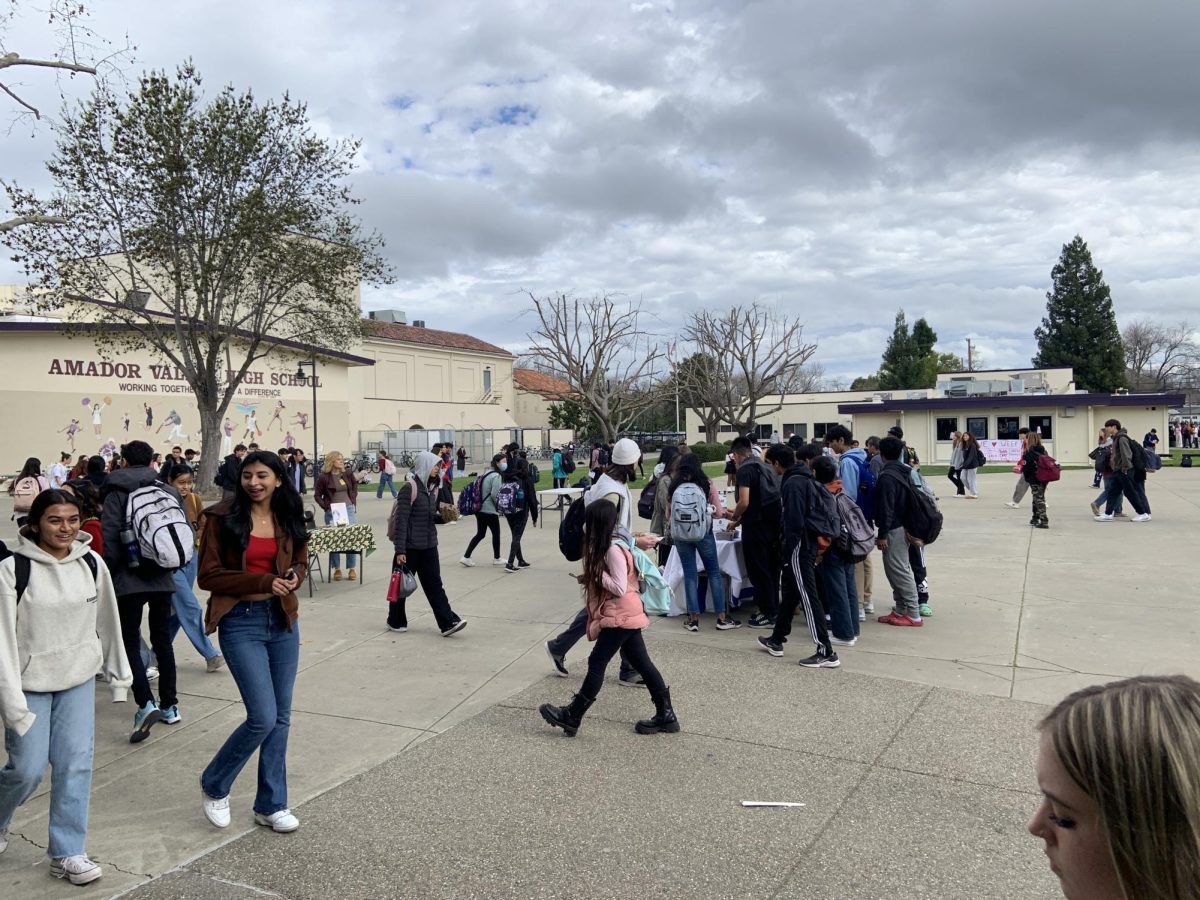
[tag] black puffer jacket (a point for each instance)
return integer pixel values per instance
(1029, 463)
(414, 510)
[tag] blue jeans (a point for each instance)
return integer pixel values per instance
(60, 737)
(187, 612)
(707, 549)
(263, 656)
(385, 480)
(335, 559)
(1103, 498)
(841, 593)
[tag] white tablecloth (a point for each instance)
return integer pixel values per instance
(729, 555)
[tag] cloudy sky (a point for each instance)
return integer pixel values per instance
(837, 160)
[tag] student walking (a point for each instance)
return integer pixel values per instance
(613, 486)
(415, 541)
(337, 484)
(972, 459)
(808, 528)
(691, 492)
(523, 508)
(488, 517)
(67, 629)
(186, 611)
(1029, 466)
(955, 467)
(1022, 486)
(27, 485)
(1119, 466)
(462, 461)
(140, 583)
(615, 619)
(556, 463)
(253, 556)
(664, 472)
(387, 475)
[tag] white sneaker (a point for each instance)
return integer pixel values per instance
(76, 869)
(841, 643)
(282, 821)
(1103, 517)
(1142, 517)
(1011, 505)
(3, 839)
(152, 673)
(216, 811)
(467, 561)
(499, 562)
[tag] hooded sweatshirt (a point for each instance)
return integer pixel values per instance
(848, 470)
(416, 505)
(63, 631)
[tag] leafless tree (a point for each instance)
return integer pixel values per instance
(598, 347)
(78, 50)
(1156, 354)
(755, 353)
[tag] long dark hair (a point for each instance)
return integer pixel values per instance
(42, 502)
(286, 506)
(599, 523)
(32, 469)
(518, 470)
(86, 496)
(688, 470)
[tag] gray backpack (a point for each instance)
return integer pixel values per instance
(690, 516)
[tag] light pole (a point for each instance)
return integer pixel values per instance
(312, 364)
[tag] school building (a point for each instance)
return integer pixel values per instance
(992, 405)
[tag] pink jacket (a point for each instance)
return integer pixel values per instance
(621, 604)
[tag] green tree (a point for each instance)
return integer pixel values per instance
(210, 232)
(935, 363)
(570, 413)
(1080, 328)
(865, 383)
(905, 358)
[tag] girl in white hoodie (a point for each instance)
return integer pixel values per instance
(54, 637)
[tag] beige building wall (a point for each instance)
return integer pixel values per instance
(532, 409)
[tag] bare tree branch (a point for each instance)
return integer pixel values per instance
(755, 353)
(1157, 354)
(14, 59)
(601, 351)
(30, 220)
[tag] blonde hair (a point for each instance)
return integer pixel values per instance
(330, 459)
(1133, 746)
(1033, 439)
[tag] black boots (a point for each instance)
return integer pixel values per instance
(568, 717)
(664, 717)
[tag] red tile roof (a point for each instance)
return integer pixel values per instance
(410, 334)
(540, 383)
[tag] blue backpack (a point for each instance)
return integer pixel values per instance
(866, 488)
(655, 592)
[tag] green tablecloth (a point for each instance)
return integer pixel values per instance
(341, 538)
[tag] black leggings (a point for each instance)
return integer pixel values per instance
(633, 649)
(516, 525)
(129, 608)
(426, 565)
(956, 480)
(485, 522)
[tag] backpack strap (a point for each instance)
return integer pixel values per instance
(24, 567)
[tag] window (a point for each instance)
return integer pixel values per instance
(1041, 425)
(820, 428)
(726, 429)
(487, 380)
(800, 429)
(978, 426)
(946, 428)
(763, 432)
(1008, 428)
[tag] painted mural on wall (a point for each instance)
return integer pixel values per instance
(144, 395)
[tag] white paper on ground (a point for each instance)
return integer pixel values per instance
(771, 803)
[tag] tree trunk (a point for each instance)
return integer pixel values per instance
(210, 448)
(710, 433)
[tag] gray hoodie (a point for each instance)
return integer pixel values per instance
(64, 630)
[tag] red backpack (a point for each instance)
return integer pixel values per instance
(1047, 469)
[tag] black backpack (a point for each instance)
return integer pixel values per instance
(646, 499)
(568, 463)
(922, 520)
(570, 531)
(23, 567)
(1139, 455)
(603, 458)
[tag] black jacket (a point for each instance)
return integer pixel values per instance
(227, 473)
(808, 510)
(892, 496)
(147, 576)
(1029, 463)
(414, 526)
(531, 504)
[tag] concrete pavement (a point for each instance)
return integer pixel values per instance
(915, 759)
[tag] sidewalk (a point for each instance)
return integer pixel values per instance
(921, 744)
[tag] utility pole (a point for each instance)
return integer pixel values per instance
(970, 357)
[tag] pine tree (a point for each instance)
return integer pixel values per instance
(909, 356)
(1080, 328)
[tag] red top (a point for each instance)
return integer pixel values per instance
(260, 556)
